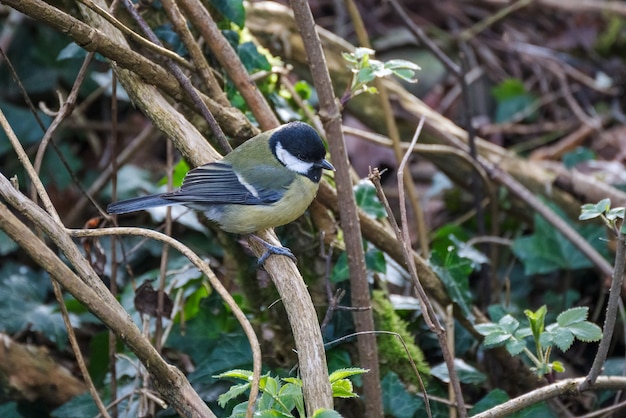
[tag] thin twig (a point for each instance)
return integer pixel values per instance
(427, 311)
(183, 80)
(611, 314)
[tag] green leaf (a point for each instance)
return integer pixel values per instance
(7, 245)
(572, 316)
(467, 374)
(252, 59)
(590, 210)
(375, 260)
(511, 97)
(326, 413)
(563, 338)
(232, 10)
(536, 320)
(579, 155)
(557, 366)
(496, 339)
(232, 393)
(586, 331)
(367, 200)
(615, 213)
(71, 51)
(343, 388)
(362, 53)
(454, 272)
(397, 402)
(488, 328)
(494, 398)
(515, 346)
(24, 125)
(240, 374)
(340, 271)
(509, 324)
(547, 250)
(346, 372)
(397, 63)
(79, 406)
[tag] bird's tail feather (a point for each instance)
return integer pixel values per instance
(139, 203)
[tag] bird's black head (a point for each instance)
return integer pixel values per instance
(299, 148)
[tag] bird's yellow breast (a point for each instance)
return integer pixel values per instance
(246, 219)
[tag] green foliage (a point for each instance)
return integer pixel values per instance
(579, 155)
(397, 401)
(24, 304)
(279, 397)
(512, 98)
(366, 69)
(612, 217)
(374, 261)
(570, 325)
(466, 373)
(497, 397)
(453, 266)
(391, 351)
(232, 10)
(547, 250)
(367, 200)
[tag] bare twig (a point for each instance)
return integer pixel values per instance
(183, 80)
(569, 387)
(611, 314)
(427, 311)
(331, 117)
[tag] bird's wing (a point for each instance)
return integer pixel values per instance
(217, 183)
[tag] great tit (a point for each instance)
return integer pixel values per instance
(268, 181)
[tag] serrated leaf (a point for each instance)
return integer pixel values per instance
(269, 385)
(509, 324)
(342, 388)
(236, 374)
(515, 346)
(572, 316)
(563, 338)
(496, 339)
(586, 331)
(326, 413)
(233, 392)
(486, 329)
(345, 373)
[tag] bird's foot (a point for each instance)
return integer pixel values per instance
(272, 250)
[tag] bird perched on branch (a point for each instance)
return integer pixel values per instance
(268, 181)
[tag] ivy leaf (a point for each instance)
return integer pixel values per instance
(397, 402)
(232, 10)
(367, 200)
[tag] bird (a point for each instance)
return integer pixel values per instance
(268, 181)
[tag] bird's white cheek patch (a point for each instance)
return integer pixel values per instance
(291, 161)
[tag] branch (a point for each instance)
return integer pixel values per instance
(331, 118)
(564, 387)
(88, 289)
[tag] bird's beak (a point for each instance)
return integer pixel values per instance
(325, 164)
